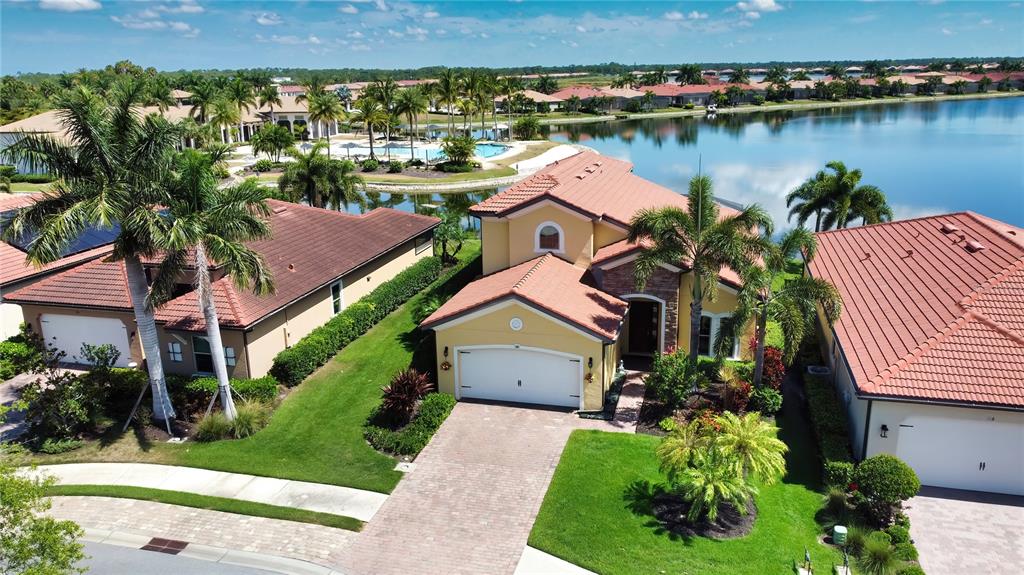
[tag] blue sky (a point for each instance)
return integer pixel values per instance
(57, 35)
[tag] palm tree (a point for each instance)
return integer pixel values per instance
(679, 448)
(203, 96)
(318, 179)
(848, 200)
(241, 95)
(836, 71)
(807, 199)
(412, 102)
(509, 86)
(225, 114)
(448, 85)
(801, 75)
(110, 164)
(272, 139)
(792, 302)
(754, 444)
(698, 237)
(739, 76)
(546, 85)
(159, 93)
(371, 114)
(268, 96)
(690, 74)
(324, 109)
(313, 87)
(384, 90)
(711, 482)
(624, 80)
(208, 226)
(776, 75)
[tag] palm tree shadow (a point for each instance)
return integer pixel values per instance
(640, 497)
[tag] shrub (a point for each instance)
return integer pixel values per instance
(838, 473)
(259, 389)
(674, 376)
(414, 162)
(453, 168)
(459, 150)
(905, 551)
(370, 165)
(898, 534)
(250, 417)
(55, 446)
(774, 370)
(688, 106)
(837, 504)
(263, 165)
(758, 100)
(526, 128)
(668, 425)
(32, 178)
(737, 395)
(18, 356)
(828, 420)
(766, 400)
(400, 396)
(212, 427)
(878, 557)
(886, 478)
(102, 357)
(412, 438)
(61, 405)
(856, 538)
(394, 167)
(294, 364)
(910, 570)
(8, 171)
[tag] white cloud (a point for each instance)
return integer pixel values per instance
(986, 22)
(417, 32)
(431, 14)
(752, 15)
(381, 5)
(570, 44)
(268, 19)
(183, 7)
(581, 29)
(348, 9)
(360, 48)
(758, 6)
(764, 185)
(70, 5)
(355, 34)
(485, 35)
(947, 32)
(864, 18)
(137, 23)
(695, 15)
(673, 15)
(906, 212)
(313, 39)
(394, 33)
(441, 32)
(531, 44)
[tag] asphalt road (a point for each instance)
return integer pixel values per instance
(113, 559)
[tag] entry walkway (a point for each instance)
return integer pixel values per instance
(356, 503)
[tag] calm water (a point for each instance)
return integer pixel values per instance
(928, 157)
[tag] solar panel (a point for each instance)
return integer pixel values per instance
(91, 237)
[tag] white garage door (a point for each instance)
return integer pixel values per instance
(519, 374)
(67, 333)
(975, 454)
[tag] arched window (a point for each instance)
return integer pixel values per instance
(549, 238)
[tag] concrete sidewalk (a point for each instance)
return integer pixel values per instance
(320, 497)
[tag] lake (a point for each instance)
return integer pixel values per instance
(929, 157)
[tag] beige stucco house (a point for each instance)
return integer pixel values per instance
(321, 261)
(557, 307)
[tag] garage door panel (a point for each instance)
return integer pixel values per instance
(520, 375)
(67, 333)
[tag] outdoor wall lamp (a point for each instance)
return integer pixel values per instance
(885, 430)
(590, 362)
(446, 352)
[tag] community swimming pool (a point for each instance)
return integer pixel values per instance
(401, 151)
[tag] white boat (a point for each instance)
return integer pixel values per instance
(711, 109)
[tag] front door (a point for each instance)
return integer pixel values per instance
(644, 325)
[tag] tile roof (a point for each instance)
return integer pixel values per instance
(595, 185)
(548, 283)
(623, 248)
(933, 308)
(309, 248)
(533, 95)
(582, 92)
(14, 268)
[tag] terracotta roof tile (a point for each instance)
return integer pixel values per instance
(923, 315)
(549, 283)
(624, 247)
(308, 248)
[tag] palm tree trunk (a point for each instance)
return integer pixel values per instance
(146, 323)
(696, 311)
(762, 330)
(209, 309)
(412, 133)
(817, 221)
(369, 130)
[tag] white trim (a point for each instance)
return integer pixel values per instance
(341, 296)
(501, 304)
(536, 238)
(661, 323)
(626, 259)
(458, 373)
(716, 326)
(543, 204)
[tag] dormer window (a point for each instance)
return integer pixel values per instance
(549, 238)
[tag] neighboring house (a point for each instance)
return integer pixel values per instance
(928, 354)
(543, 102)
(321, 261)
(557, 307)
(16, 272)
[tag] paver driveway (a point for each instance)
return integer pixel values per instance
(469, 504)
(966, 532)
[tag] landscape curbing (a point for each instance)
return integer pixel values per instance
(333, 499)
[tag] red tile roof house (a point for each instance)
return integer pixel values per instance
(321, 261)
(16, 273)
(928, 354)
(557, 307)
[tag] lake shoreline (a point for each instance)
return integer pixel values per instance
(800, 105)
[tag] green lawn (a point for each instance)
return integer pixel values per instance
(206, 502)
(466, 177)
(317, 432)
(586, 517)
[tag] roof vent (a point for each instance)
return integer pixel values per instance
(280, 209)
(948, 228)
(291, 267)
(910, 252)
(580, 176)
(974, 247)
(867, 256)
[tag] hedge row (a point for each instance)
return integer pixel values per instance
(11, 172)
(412, 438)
(828, 419)
(260, 389)
(294, 364)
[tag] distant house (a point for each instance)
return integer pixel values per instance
(928, 354)
(321, 261)
(543, 102)
(16, 272)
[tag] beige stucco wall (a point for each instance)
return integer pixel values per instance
(725, 302)
(578, 241)
(286, 327)
(32, 314)
(367, 278)
(538, 331)
(605, 234)
(494, 234)
(187, 365)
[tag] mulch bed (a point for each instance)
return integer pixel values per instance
(653, 410)
(670, 511)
